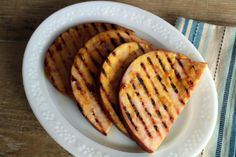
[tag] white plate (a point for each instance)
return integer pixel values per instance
(60, 116)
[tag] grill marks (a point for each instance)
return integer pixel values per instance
(153, 93)
(184, 83)
(143, 104)
(141, 82)
(60, 66)
(151, 96)
(69, 42)
(90, 59)
(178, 59)
(159, 60)
(148, 113)
(158, 77)
(81, 83)
(88, 85)
(108, 61)
(170, 77)
(94, 61)
(84, 76)
(52, 72)
(100, 53)
(174, 87)
(112, 71)
(88, 65)
(104, 43)
(122, 40)
(63, 50)
(77, 85)
(97, 121)
(139, 117)
(113, 42)
(175, 72)
(109, 100)
(103, 26)
(142, 49)
(95, 27)
(130, 119)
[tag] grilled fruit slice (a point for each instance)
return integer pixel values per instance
(85, 74)
(60, 55)
(153, 92)
(112, 71)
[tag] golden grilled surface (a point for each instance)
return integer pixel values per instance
(86, 69)
(60, 55)
(112, 71)
(153, 92)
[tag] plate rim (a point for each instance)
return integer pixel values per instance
(43, 119)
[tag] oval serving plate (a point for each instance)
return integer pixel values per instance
(60, 116)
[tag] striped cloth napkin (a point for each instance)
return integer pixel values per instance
(217, 45)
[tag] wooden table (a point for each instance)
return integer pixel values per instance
(20, 132)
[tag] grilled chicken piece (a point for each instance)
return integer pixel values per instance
(85, 74)
(153, 92)
(60, 55)
(112, 71)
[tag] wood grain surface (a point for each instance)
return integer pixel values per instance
(20, 132)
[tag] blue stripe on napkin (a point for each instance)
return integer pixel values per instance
(218, 46)
(225, 102)
(233, 135)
